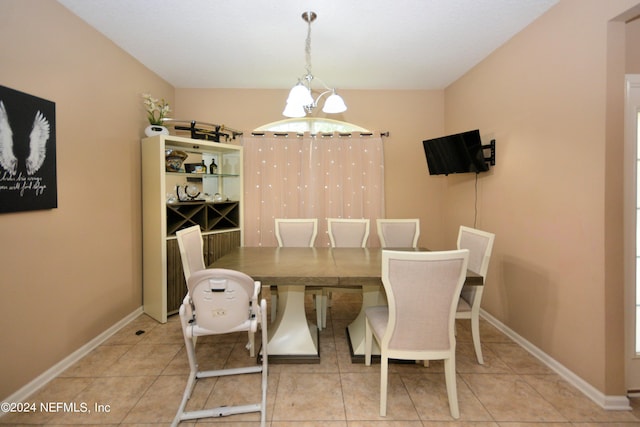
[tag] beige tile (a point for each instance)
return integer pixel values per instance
(310, 397)
(466, 361)
(231, 390)
(209, 356)
(491, 334)
(517, 424)
(509, 397)
(170, 332)
(116, 395)
(463, 331)
(635, 406)
(428, 393)
(145, 359)
(605, 424)
(462, 424)
(160, 402)
(518, 359)
(362, 397)
(571, 403)
(237, 390)
(58, 390)
(97, 362)
(385, 423)
(240, 354)
(309, 424)
(134, 332)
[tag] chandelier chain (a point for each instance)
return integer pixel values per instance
(307, 49)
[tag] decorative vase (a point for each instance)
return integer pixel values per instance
(153, 130)
(174, 159)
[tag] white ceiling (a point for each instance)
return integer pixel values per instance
(355, 44)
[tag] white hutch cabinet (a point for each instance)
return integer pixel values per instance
(214, 202)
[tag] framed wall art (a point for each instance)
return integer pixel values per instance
(27, 152)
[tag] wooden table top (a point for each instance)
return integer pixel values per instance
(312, 266)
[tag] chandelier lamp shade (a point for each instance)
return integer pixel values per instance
(300, 101)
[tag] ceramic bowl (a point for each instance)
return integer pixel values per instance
(174, 159)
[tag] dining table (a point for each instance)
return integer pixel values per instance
(291, 337)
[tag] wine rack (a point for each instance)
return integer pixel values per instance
(210, 216)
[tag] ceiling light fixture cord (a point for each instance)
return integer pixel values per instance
(307, 48)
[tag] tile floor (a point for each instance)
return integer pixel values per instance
(138, 380)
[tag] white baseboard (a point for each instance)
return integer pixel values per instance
(40, 381)
(613, 403)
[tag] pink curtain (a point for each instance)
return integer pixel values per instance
(311, 176)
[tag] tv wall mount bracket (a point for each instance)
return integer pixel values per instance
(492, 157)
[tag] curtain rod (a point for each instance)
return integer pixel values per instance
(328, 134)
(203, 130)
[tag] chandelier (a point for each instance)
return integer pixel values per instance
(300, 100)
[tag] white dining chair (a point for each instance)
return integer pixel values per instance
(344, 233)
(398, 233)
(480, 245)
(348, 232)
(297, 232)
(191, 246)
(422, 291)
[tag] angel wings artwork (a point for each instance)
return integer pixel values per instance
(38, 138)
(27, 152)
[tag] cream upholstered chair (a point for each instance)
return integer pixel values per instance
(480, 244)
(398, 233)
(191, 248)
(422, 290)
(297, 232)
(222, 301)
(344, 233)
(347, 232)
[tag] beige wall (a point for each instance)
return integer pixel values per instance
(552, 98)
(632, 54)
(553, 198)
(70, 273)
(409, 116)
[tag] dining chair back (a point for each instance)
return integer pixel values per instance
(191, 247)
(296, 232)
(222, 301)
(398, 233)
(347, 232)
(480, 245)
(422, 291)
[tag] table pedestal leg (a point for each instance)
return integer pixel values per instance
(372, 295)
(291, 337)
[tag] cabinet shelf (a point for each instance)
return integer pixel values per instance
(203, 175)
(209, 216)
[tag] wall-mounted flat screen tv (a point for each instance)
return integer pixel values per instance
(459, 153)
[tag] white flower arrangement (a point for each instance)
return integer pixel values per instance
(157, 110)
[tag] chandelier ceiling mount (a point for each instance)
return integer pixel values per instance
(300, 101)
